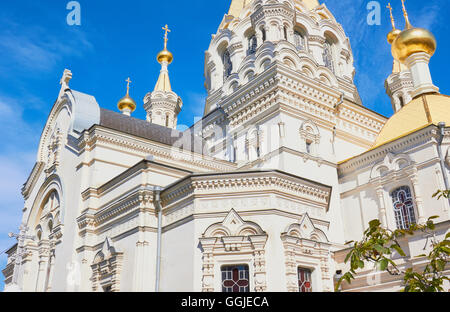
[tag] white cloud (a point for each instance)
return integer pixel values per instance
(36, 49)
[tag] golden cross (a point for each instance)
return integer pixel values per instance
(128, 85)
(392, 17)
(405, 13)
(167, 30)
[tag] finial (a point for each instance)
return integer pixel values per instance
(405, 13)
(128, 85)
(64, 82)
(165, 55)
(392, 16)
(167, 30)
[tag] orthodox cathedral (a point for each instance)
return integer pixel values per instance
(263, 192)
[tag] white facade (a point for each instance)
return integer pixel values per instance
(277, 176)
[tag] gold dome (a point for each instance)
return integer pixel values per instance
(412, 41)
(393, 35)
(419, 113)
(165, 55)
(127, 103)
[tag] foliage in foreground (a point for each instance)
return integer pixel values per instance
(379, 244)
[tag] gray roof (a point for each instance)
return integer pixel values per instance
(147, 130)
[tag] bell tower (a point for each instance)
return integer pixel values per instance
(163, 105)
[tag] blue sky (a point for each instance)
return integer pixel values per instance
(120, 39)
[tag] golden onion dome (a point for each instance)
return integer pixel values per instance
(127, 103)
(165, 55)
(393, 35)
(421, 112)
(412, 41)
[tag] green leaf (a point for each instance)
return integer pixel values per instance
(361, 264)
(399, 250)
(374, 224)
(348, 256)
(383, 264)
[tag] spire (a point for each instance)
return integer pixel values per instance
(405, 13)
(164, 58)
(392, 16)
(163, 105)
(393, 34)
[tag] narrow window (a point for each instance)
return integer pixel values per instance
(299, 41)
(235, 278)
(227, 65)
(403, 207)
(309, 147)
(167, 120)
(328, 55)
(263, 34)
(304, 280)
(402, 102)
(252, 45)
(285, 33)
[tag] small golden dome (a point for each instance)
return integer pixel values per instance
(393, 35)
(127, 103)
(165, 55)
(412, 41)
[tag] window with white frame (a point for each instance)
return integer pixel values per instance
(235, 278)
(403, 207)
(304, 280)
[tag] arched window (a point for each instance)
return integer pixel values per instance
(299, 40)
(167, 120)
(263, 31)
(227, 64)
(402, 102)
(285, 33)
(252, 45)
(403, 207)
(328, 55)
(310, 138)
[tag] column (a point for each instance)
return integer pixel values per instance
(418, 199)
(382, 206)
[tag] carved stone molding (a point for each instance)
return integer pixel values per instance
(235, 237)
(107, 268)
(306, 246)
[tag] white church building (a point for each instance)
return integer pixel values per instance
(263, 192)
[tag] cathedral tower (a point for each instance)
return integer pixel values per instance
(163, 105)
